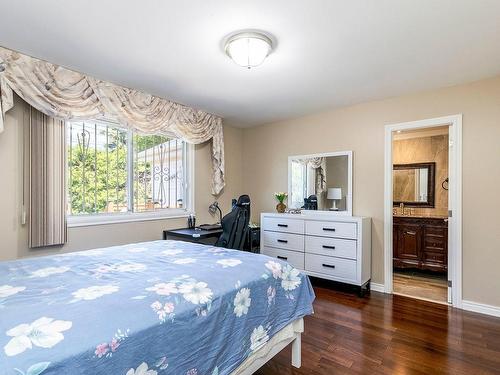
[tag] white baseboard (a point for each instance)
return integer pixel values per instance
(377, 287)
(466, 305)
(481, 308)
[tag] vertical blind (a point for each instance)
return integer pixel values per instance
(47, 180)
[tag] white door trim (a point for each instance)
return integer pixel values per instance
(455, 201)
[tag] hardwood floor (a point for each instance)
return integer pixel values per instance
(383, 334)
(421, 285)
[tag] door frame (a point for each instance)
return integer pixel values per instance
(454, 200)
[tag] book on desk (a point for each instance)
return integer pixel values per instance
(210, 226)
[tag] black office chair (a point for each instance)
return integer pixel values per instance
(235, 225)
(310, 203)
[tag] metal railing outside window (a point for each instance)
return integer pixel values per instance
(116, 170)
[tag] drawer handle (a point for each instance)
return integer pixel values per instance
(328, 247)
(411, 233)
(283, 225)
(283, 241)
(328, 265)
(282, 258)
(329, 229)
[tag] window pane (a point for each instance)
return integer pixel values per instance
(310, 181)
(97, 163)
(299, 181)
(158, 173)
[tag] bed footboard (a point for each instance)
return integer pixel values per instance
(290, 335)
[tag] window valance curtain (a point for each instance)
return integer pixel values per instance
(317, 164)
(65, 94)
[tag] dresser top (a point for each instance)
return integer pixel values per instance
(315, 215)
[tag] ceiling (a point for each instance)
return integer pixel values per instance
(329, 53)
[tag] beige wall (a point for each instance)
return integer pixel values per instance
(14, 236)
(361, 128)
(424, 150)
(256, 163)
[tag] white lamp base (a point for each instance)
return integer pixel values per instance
(334, 206)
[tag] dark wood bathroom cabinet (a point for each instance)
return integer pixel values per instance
(420, 243)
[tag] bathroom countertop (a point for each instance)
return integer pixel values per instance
(420, 216)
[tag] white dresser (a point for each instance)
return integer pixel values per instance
(323, 245)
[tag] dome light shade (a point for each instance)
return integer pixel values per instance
(248, 49)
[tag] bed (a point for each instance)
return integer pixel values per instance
(152, 308)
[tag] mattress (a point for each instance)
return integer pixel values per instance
(161, 307)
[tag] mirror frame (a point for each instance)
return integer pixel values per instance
(349, 154)
(431, 183)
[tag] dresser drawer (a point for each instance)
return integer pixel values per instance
(331, 247)
(331, 229)
(433, 231)
(434, 257)
(283, 225)
(294, 258)
(331, 266)
(433, 245)
(286, 241)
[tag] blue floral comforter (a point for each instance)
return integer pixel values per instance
(153, 308)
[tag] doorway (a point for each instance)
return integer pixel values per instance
(422, 210)
(420, 213)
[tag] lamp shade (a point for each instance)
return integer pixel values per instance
(334, 193)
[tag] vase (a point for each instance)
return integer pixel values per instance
(281, 207)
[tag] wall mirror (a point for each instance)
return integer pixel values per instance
(321, 182)
(413, 184)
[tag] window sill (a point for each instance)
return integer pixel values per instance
(120, 218)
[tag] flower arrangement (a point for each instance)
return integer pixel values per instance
(281, 196)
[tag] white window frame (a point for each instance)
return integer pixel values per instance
(125, 217)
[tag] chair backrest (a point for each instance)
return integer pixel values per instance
(235, 225)
(311, 203)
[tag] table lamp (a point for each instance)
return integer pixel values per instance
(213, 209)
(334, 194)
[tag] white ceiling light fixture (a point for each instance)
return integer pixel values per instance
(248, 48)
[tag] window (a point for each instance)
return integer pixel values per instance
(303, 176)
(297, 194)
(113, 170)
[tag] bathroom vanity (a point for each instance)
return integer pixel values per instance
(420, 243)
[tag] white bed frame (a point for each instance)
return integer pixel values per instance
(290, 334)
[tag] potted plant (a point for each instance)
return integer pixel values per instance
(281, 196)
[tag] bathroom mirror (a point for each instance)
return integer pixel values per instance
(325, 178)
(414, 184)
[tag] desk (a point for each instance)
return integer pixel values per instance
(210, 236)
(192, 235)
